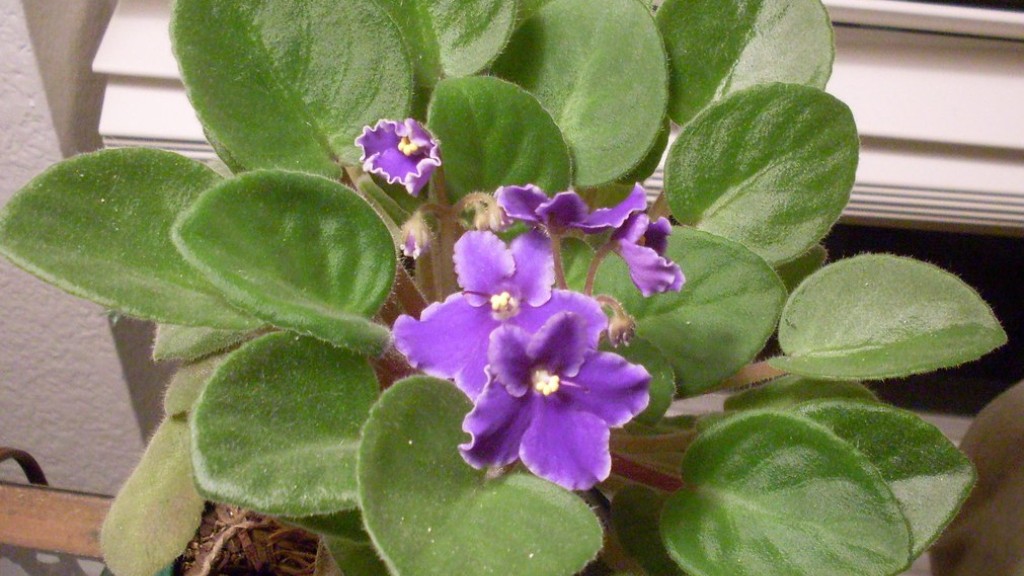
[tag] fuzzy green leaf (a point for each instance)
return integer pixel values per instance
(662, 388)
(795, 271)
(928, 475)
(771, 167)
(636, 516)
(778, 494)
(296, 250)
(719, 321)
(99, 227)
(496, 134)
(290, 84)
(277, 428)
(421, 501)
(157, 511)
(187, 384)
(792, 390)
(598, 66)
(716, 48)
(189, 343)
(881, 316)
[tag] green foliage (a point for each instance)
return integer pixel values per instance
(792, 390)
(277, 427)
(296, 250)
(598, 67)
(880, 316)
(663, 387)
(636, 516)
(157, 511)
(771, 167)
(796, 270)
(494, 134)
(716, 48)
(718, 322)
(291, 84)
(775, 493)
(421, 502)
(190, 343)
(187, 384)
(98, 226)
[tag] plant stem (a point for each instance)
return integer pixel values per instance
(674, 442)
(644, 475)
(660, 208)
(556, 252)
(602, 253)
(448, 231)
(750, 374)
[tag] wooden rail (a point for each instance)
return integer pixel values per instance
(51, 520)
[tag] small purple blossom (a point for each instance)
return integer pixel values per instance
(566, 210)
(642, 245)
(551, 401)
(402, 152)
(501, 285)
(415, 236)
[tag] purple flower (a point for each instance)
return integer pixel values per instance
(551, 401)
(415, 236)
(566, 209)
(501, 285)
(642, 245)
(402, 152)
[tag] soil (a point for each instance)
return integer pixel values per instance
(236, 542)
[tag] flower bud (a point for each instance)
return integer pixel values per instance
(621, 329)
(415, 236)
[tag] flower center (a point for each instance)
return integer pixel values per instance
(545, 382)
(407, 147)
(504, 305)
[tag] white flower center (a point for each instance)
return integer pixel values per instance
(407, 147)
(545, 382)
(504, 305)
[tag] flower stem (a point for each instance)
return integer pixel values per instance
(674, 442)
(750, 374)
(602, 253)
(644, 475)
(660, 208)
(556, 252)
(448, 232)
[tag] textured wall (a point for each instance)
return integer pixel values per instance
(62, 391)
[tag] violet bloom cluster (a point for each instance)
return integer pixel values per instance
(401, 152)
(640, 242)
(526, 354)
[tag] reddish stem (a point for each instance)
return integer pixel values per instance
(644, 475)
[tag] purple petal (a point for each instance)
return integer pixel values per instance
(565, 210)
(632, 230)
(651, 273)
(483, 265)
(657, 235)
(535, 267)
(559, 346)
(509, 362)
(496, 426)
(448, 341)
(565, 446)
(609, 387)
(521, 202)
(605, 218)
(382, 153)
(531, 319)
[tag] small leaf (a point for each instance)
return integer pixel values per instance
(719, 321)
(157, 511)
(451, 38)
(576, 258)
(795, 271)
(928, 475)
(290, 84)
(356, 558)
(296, 250)
(495, 133)
(99, 227)
(598, 66)
(277, 428)
(636, 515)
(188, 383)
(881, 316)
(190, 343)
(792, 390)
(778, 494)
(771, 167)
(421, 501)
(716, 48)
(662, 388)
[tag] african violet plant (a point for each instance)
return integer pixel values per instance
(494, 402)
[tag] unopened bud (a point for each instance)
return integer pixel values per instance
(621, 329)
(489, 216)
(415, 236)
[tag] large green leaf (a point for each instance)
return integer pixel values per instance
(277, 427)
(296, 250)
(99, 227)
(290, 84)
(430, 513)
(778, 494)
(598, 66)
(452, 38)
(771, 167)
(792, 390)
(189, 343)
(928, 475)
(157, 511)
(881, 316)
(495, 134)
(796, 270)
(718, 322)
(716, 48)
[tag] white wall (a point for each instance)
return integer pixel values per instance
(63, 395)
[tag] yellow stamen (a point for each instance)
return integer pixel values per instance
(545, 382)
(504, 305)
(407, 147)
